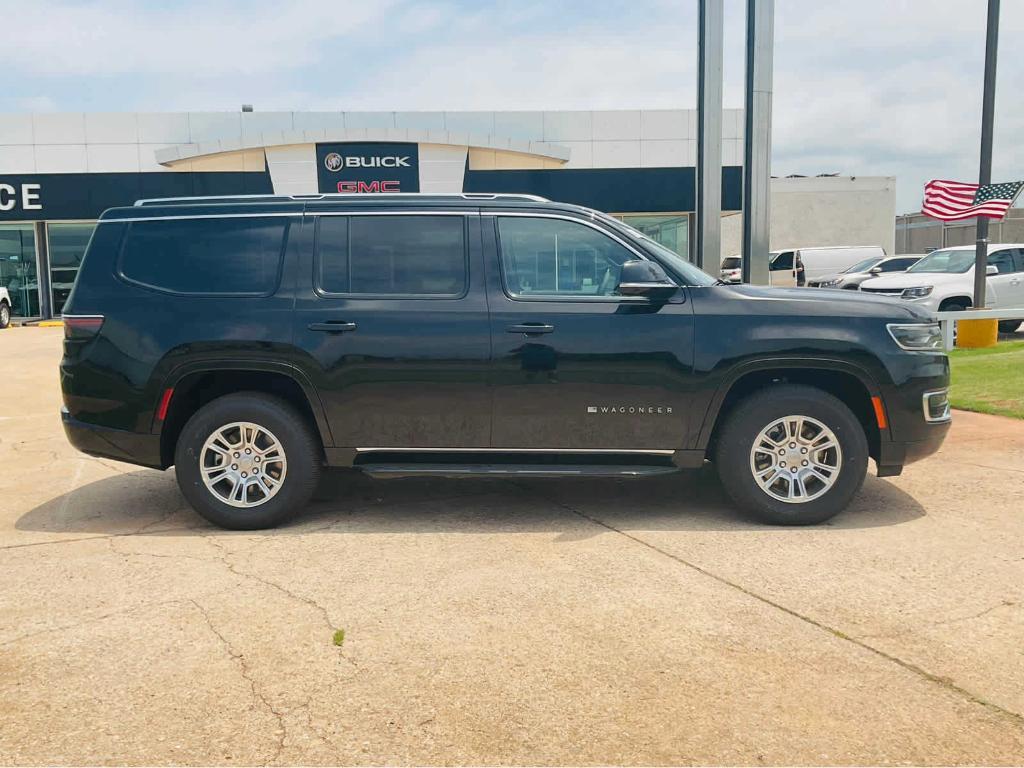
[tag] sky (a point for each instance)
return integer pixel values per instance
(861, 87)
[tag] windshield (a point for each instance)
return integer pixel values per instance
(731, 262)
(863, 266)
(676, 264)
(945, 261)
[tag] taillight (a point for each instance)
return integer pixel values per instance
(82, 326)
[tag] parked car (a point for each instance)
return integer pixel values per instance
(732, 269)
(5, 308)
(943, 281)
(851, 279)
(250, 342)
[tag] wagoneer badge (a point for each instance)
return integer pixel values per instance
(648, 409)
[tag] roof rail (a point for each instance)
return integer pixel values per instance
(335, 195)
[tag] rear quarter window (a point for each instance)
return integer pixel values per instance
(218, 257)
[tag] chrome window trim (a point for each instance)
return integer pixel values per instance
(946, 416)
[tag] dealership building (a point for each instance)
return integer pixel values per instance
(59, 171)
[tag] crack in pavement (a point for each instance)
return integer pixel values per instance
(943, 682)
(257, 693)
(942, 622)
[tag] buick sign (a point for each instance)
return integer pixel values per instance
(364, 167)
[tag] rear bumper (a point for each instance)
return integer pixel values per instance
(118, 444)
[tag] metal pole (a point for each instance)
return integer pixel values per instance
(988, 107)
(757, 140)
(708, 250)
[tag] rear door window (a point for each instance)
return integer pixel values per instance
(229, 256)
(392, 255)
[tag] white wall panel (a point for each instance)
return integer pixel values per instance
(423, 121)
(15, 129)
(111, 128)
(59, 128)
(373, 120)
(469, 122)
(616, 154)
(527, 126)
(61, 158)
(257, 123)
(568, 126)
(442, 168)
(212, 126)
(293, 169)
(661, 124)
(582, 154)
(17, 158)
(315, 121)
(619, 125)
(112, 158)
(163, 127)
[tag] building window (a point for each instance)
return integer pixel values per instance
(67, 243)
(671, 230)
(18, 268)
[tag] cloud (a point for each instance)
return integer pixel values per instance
(890, 87)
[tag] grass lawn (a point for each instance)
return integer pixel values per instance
(989, 380)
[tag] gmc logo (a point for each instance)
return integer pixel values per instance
(369, 186)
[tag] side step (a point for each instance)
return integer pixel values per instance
(414, 469)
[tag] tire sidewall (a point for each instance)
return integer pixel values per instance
(5, 315)
(289, 429)
(747, 422)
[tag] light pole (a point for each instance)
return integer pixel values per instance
(988, 105)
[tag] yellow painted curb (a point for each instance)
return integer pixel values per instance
(975, 334)
(51, 324)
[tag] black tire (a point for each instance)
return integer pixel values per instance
(743, 425)
(300, 445)
(5, 314)
(1008, 326)
(955, 306)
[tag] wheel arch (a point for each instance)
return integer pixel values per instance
(967, 301)
(847, 381)
(195, 385)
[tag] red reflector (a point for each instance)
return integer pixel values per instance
(80, 326)
(879, 412)
(165, 402)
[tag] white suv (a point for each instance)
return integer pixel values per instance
(5, 308)
(943, 281)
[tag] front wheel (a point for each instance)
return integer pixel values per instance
(792, 455)
(5, 315)
(247, 461)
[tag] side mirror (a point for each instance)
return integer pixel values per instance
(875, 271)
(645, 278)
(991, 269)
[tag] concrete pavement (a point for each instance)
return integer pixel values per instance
(488, 622)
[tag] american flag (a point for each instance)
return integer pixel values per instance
(951, 200)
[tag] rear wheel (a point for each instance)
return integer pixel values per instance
(1008, 326)
(792, 455)
(5, 314)
(247, 461)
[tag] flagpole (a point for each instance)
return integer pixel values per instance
(988, 105)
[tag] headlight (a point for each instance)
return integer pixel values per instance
(916, 337)
(828, 283)
(916, 293)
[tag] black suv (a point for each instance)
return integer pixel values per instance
(252, 341)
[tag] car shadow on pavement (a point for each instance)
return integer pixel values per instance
(148, 502)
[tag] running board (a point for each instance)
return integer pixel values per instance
(514, 470)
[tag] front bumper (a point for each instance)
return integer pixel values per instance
(131, 447)
(893, 456)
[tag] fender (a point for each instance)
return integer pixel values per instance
(740, 370)
(179, 373)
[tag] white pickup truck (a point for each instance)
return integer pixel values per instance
(5, 308)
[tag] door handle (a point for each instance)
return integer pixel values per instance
(334, 326)
(531, 328)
